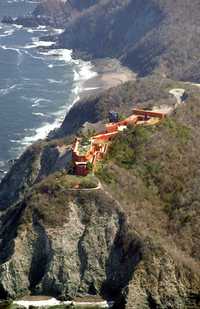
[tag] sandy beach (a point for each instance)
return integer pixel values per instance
(46, 301)
(110, 74)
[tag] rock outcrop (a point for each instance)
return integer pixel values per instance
(133, 239)
(37, 162)
(65, 244)
(159, 282)
(54, 13)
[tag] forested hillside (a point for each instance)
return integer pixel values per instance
(147, 35)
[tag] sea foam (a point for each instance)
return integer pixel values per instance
(82, 71)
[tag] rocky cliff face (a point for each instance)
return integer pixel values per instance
(65, 244)
(37, 162)
(159, 282)
(134, 239)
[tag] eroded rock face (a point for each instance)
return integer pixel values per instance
(159, 282)
(68, 243)
(79, 252)
(37, 162)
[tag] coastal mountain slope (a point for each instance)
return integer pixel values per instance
(134, 236)
(146, 35)
(130, 231)
(59, 12)
(145, 92)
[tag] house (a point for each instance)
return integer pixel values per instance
(87, 152)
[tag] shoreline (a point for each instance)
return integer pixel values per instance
(110, 73)
(82, 71)
(49, 302)
(91, 78)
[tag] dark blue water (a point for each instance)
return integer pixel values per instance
(36, 87)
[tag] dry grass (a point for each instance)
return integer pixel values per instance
(155, 177)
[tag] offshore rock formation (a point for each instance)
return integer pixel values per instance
(55, 13)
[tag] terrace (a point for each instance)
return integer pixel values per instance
(84, 146)
(90, 150)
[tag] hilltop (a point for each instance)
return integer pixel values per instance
(142, 220)
(129, 233)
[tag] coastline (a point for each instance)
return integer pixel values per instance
(83, 71)
(110, 73)
(45, 301)
(91, 78)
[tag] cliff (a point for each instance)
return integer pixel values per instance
(65, 243)
(132, 239)
(129, 233)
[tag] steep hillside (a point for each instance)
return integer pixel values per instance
(156, 169)
(135, 236)
(146, 92)
(154, 175)
(146, 35)
(66, 243)
(129, 233)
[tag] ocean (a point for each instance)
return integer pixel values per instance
(37, 86)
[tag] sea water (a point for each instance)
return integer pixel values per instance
(37, 85)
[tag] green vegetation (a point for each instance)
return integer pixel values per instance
(153, 173)
(84, 146)
(61, 181)
(50, 198)
(129, 145)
